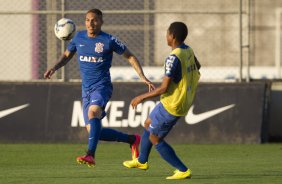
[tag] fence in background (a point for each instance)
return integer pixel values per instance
(221, 32)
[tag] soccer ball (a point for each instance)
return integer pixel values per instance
(64, 29)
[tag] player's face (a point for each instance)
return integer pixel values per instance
(169, 38)
(93, 24)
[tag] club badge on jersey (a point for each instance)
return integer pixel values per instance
(99, 47)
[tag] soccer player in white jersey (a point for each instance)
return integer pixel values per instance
(177, 92)
(95, 49)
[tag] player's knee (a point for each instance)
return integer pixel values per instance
(88, 128)
(94, 112)
(147, 123)
(154, 139)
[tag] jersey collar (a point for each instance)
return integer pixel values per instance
(183, 46)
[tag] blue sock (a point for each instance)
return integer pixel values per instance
(94, 135)
(169, 155)
(145, 147)
(108, 134)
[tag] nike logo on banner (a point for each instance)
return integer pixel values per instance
(192, 118)
(6, 112)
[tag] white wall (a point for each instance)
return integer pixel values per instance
(213, 37)
(15, 41)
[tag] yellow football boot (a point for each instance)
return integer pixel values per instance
(180, 175)
(135, 164)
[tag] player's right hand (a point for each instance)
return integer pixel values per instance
(135, 101)
(49, 73)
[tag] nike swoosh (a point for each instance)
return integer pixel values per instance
(192, 118)
(151, 126)
(6, 112)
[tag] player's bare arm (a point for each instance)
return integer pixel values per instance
(157, 92)
(137, 67)
(65, 58)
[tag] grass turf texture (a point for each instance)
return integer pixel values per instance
(55, 163)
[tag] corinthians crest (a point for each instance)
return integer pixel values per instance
(99, 47)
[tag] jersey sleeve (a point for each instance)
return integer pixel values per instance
(72, 46)
(172, 66)
(117, 45)
(198, 64)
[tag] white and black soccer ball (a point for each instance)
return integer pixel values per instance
(65, 29)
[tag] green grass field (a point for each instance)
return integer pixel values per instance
(55, 163)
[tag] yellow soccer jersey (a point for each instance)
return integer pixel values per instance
(181, 66)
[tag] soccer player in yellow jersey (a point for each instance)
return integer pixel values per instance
(177, 92)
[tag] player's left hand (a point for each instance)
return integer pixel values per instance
(135, 101)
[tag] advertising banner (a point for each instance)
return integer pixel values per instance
(52, 112)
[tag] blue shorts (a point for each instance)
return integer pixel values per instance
(162, 121)
(99, 97)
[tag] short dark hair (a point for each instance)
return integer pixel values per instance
(179, 30)
(96, 12)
